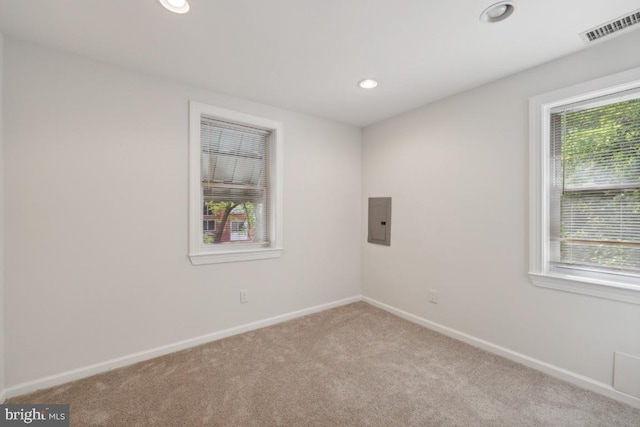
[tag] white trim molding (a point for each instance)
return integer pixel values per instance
(98, 368)
(547, 368)
(602, 285)
(200, 253)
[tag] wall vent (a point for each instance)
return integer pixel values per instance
(624, 23)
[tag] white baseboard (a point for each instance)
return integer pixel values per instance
(120, 362)
(98, 368)
(554, 371)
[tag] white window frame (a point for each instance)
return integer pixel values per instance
(603, 285)
(201, 253)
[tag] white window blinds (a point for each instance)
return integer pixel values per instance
(595, 185)
(234, 178)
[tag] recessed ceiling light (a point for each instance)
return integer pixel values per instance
(176, 6)
(497, 12)
(368, 83)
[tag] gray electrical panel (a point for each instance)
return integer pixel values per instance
(380, 220)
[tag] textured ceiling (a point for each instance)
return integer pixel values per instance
(308, 55)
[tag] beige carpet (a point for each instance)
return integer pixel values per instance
(350, 366)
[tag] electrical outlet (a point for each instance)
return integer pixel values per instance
(244, 296)
(433, 296)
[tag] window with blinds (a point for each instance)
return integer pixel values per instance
(234, 182)
(584, 188)
(595, 185)
(236, 186)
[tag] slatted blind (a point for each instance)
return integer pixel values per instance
(595, 194)
(234, 177)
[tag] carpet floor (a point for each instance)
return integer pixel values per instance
(354, 365)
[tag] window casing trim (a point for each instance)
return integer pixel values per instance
(603, 285)
(200, 253)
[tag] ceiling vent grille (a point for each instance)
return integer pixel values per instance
(624, 23)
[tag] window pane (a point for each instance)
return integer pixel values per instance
(595, 195)
(242, 223)
(601, 229)
(601, 146)
(232, 155)
(234, 178)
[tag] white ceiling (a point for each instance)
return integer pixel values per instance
(308, 55)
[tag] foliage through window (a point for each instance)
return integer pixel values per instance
(595, 186)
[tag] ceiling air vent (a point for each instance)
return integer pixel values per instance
(617, 26)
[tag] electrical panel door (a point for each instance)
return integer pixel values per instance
(380, 220)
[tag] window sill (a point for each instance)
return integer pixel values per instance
(234, 256)
(597, 287)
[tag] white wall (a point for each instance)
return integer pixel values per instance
(458, 174)
(96, 217)
(1, 220)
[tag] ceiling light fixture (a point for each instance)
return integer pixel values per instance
(368, 84)
(497, 12)
(175, 6)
